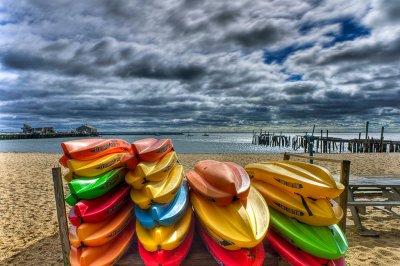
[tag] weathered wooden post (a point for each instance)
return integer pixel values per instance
(344, 179)
(322, 147)
(328, 144)
(310, 150)
(61, 213)
(381, 142)
(366, 137)
(286, 156)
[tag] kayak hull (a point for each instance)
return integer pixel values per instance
(164, 214)
(89, 149)
(219, 182)
(151, 150)
(103, 164)
(98, 234)
(151, 171)
(240, 257)
(241, 224)
(101, 208)
(168, 257)
(308, 180)
(160, 192)
(318, 212)
(106, 254)
(326, 242)
(296, 256)
(164, 237)
(94, 187)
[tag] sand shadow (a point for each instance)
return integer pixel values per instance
(46, 251)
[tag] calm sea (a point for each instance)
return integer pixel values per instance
(214, 143)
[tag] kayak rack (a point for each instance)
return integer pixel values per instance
(344, 179)
(198, 254)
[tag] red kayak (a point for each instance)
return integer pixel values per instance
(63, 161)
(240, 257)
(151, 150)
(89, 149)
(296, 256)
(168, 257)
(101, 208)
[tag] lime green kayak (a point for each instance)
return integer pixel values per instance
(326, 242)
(93, 187)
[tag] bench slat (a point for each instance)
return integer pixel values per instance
(373, 203)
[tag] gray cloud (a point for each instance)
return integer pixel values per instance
(194, 64)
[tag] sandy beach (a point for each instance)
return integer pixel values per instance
(29, 230)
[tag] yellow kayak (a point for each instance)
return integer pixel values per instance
(241, 224)
(151, 171)
(318, 212)
(68, 176)
(164, 237)
(160, 192)
(308, 180)
(101, 165)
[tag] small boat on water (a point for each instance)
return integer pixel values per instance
(205, 135)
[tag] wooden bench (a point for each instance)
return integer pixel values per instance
(387, 189)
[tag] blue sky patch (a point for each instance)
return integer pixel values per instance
(279, 56)
(350, 30)
(294, 77)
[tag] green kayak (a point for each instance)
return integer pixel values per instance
(326, 242)
(93, 187)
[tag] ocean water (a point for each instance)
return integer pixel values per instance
(214, 143)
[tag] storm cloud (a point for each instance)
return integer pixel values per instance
(189, 65)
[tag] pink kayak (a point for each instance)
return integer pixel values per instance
(296, 256)
(101, 208)
(241, 257)
(168, 257)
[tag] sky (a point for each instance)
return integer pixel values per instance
(200, 65)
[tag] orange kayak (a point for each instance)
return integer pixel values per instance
(151, 150)
(89, 149)
(107, 254)
(98, 234)
(219, 182)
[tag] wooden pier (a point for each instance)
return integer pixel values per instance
(8, 136)
(323, 143)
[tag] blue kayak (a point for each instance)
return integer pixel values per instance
(164, 214)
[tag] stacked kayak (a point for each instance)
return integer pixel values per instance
(102, 215)
(233, 217)
(164, 223)
(303, 214)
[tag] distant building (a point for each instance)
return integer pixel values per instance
(39, 130)
(26, 128)
(87, 130)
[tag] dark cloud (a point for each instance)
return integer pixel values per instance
(257, 37)
(124, 65)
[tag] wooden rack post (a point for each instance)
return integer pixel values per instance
(61, 213)
(343, 198)
(344, 179)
